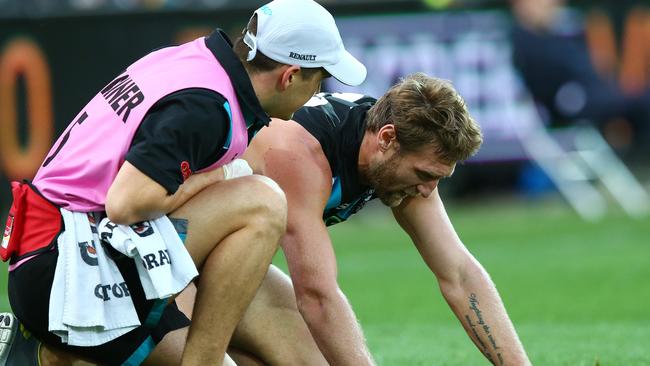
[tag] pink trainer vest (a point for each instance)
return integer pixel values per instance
(84, 161)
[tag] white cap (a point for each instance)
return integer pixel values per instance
(303, 33)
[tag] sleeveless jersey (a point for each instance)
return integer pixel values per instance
(84, 161)
(338, 122)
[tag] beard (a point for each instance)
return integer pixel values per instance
(382, 175)
(392, 199)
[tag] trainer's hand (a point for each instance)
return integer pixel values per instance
(236, 168)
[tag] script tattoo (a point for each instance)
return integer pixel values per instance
(482, 325)
(469, 321)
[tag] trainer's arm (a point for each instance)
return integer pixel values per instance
(295, 161)
(135, 197)
(464, 283)
(182, 127)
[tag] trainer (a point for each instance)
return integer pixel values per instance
(125, 209)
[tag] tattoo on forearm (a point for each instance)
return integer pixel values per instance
(500, 359)
(473, 305)
(473, 327)
(480, 323)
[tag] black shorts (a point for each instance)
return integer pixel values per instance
(29, 295)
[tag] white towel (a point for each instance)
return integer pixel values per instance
(164, 266)
(89, 301)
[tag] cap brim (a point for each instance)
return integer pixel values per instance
(348, 70)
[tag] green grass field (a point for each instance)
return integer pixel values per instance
(578, 293)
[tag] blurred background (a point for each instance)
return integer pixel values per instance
(555, 205)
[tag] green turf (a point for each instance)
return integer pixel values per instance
(578, 293)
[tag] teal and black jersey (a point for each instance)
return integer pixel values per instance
(338, 121)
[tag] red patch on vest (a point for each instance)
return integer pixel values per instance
(185, 170)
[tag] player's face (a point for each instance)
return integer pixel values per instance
(410, 174)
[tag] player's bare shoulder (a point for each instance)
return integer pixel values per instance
(281, 134)
(287, 141)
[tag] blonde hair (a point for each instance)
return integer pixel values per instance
(427, 111)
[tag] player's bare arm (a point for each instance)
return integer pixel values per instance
(306, 244)
(464, 283)
(134, 196)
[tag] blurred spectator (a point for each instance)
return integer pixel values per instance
(550, 50)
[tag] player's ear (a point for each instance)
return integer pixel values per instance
(387, 137)
(288, 76)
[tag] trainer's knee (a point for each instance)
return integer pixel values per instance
(270, 205)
